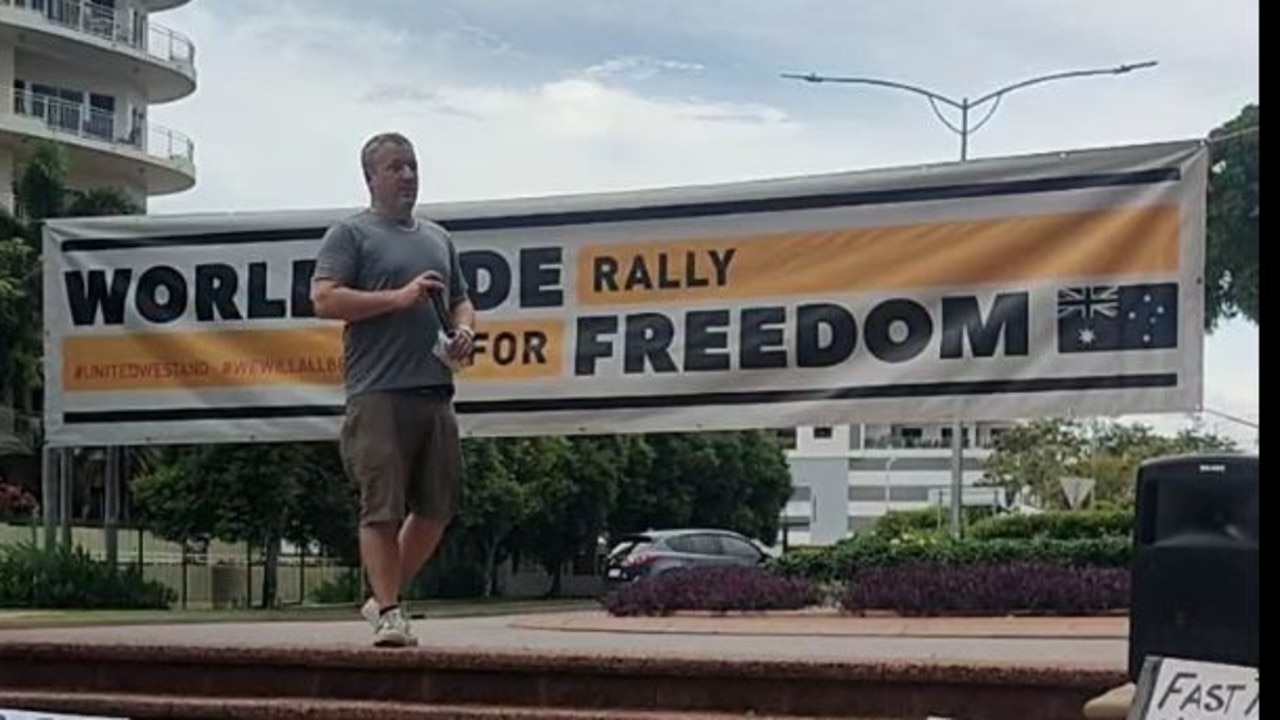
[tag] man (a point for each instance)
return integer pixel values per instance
(378, 271)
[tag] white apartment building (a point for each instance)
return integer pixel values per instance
(844, 477)
(85, 73)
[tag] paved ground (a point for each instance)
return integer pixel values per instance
(829, 623)
(1099, 643)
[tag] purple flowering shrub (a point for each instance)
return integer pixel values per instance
(988, 589)
(713, 589)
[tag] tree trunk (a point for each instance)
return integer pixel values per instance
(270, 571)
(556, 584)
(490, 560)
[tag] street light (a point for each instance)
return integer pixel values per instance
(1233, 418)
(888, 468)
(964, 105)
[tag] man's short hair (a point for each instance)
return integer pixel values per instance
(372, 145)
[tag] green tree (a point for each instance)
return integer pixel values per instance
(574, 483)
(325, 504)
(650, 494)
(494, 504)
(40, 193)
(1031, 458)
(1116, 450)
(174, 500)
(732, 480)
(764, 485)
(258, 493)
(19, 332)
(1231, 255)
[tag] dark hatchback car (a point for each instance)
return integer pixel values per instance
(652, 553)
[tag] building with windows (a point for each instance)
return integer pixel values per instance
(85, 73)
(846, 476)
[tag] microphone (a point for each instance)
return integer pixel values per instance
(447, 333)
(442, 313)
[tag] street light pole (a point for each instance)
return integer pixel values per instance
(965, 106)
(888, 478)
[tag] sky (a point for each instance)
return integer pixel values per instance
(508, 98)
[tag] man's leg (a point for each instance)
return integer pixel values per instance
(435, 491)
(381, 555)
(373, 453)
(419, 538)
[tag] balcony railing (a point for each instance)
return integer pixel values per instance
(897, 442)
(107, 23)
(102, 126)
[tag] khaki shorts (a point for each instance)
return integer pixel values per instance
(403, 450)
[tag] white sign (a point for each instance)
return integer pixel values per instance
(1065, 283)
(1076, 489)
(1173, 689)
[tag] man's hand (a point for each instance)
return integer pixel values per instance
(418, 289)
(462, 344)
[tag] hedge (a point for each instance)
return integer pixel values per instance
(1035, 588)
(1059, 525)
(844, 560)
(62, 577)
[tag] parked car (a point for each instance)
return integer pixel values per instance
(652, 553)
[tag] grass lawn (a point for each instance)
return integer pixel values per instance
(24, 617)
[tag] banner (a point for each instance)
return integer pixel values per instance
(1052, 284)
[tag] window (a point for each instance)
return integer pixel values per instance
(705, 544)
(67, 109)
(681, 543)
(102, 116)
(101, 18)
(695, 544)
(855, 437)
(996, 435)
(896, 493)
(822, 433)
(739, 548)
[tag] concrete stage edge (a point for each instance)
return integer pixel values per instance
(493, 667)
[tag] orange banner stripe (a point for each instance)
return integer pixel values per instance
(524, 349)
(1041, 247)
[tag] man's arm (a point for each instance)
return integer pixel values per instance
(464, 315)
(337, 266)
(461, 311)
(338, 302)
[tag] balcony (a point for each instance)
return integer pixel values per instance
(159, 5)
(105, 142)
(106, 41)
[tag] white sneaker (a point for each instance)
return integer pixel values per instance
(369, 611)
(372, 613)
(392, 630)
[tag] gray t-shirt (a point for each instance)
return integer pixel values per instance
(391, 351)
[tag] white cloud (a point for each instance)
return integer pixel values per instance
(279, 118)
(639, 67)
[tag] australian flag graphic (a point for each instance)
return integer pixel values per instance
(1107, 318)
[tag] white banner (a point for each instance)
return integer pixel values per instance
(1062, 283)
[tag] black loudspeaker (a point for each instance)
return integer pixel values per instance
(1194, 585)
